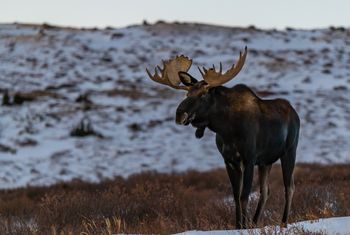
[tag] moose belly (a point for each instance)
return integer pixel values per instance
(268, 157)
(271, 146)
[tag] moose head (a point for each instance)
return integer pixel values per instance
(194, 108)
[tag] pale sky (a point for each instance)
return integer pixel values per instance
(119, 13)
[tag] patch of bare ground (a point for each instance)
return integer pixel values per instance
(167, 203)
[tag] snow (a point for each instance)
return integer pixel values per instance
(310, 68)
(335, 225)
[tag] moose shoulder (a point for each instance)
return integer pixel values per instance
(249, 130)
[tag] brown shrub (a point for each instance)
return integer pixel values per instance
(166, 203)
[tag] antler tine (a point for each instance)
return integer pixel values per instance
(214, 78)
(169, 73)
(200, 71)
(149, 74)
(155, 77)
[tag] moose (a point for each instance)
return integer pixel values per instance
(249, 130)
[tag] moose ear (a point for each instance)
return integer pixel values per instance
(187, 79)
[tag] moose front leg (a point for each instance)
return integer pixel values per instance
(247, 185)
(234, 167)
(235, 173)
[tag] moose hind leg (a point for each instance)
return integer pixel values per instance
(264, 172)
(288, 163)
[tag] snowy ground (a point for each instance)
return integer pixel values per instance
(135, 116)
(336, 225)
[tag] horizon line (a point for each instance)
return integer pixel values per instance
(146, 22)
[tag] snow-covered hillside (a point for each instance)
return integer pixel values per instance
(67, 75)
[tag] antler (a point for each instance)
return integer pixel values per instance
(215, 79)
(169, 73)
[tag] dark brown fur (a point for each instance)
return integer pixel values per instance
(249, 131)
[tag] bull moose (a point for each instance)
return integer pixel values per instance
(249, 130)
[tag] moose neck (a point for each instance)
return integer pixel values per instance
(230, 105)
(218, 110)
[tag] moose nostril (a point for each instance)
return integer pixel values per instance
(181, 119)
(184, 117)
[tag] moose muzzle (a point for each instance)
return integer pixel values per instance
(184, 118)
(181, 118)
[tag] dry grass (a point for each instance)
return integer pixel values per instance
(166, 203)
